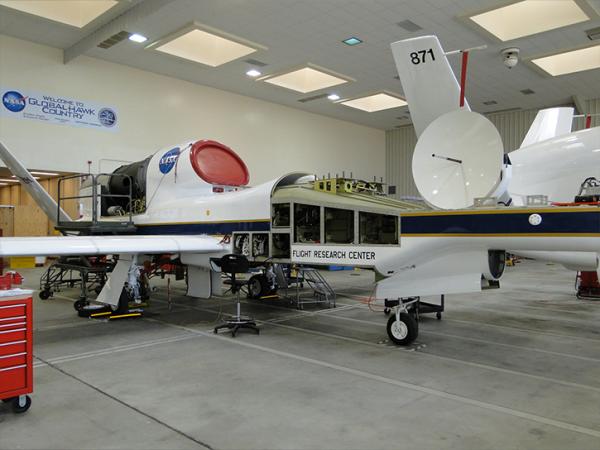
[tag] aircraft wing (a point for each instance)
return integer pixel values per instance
(103, 245)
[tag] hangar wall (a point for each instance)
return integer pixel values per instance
(155, 111)
(512, 126)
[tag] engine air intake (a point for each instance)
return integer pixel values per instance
(216, 163)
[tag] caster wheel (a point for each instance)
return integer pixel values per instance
(403, 331)
(438, 316)
(44, 294)
(387, 311)
(80, 304)
(18, 408)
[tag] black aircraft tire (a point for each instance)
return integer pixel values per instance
(403, 332)
(258, 286)
(80, 304)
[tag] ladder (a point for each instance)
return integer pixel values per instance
(322, 290)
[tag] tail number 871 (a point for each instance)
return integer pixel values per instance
(420, 56)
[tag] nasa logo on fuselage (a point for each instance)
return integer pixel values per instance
(168, 160)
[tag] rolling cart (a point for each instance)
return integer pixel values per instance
(16, 348)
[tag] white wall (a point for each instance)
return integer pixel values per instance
(156, 111)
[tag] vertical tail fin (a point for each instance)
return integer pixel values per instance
(39, 194)
(430, 87)
(549, 123)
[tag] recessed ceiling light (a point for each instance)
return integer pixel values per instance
(138, 38)
(571, 61)
(77, 13)
(352, 41)
(375, 102)
(333, 97)
(527, 17)
(205, 45)
(50, 174)
(306, 79)
(253, 73)
(12, 176)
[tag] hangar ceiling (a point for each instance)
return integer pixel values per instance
(297, 32)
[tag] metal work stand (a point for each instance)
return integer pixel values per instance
(426, 308)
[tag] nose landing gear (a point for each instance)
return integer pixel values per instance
(402, 326)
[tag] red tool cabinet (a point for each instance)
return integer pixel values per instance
(16, 347)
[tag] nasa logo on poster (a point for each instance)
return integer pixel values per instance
(168, 160)
(107, 117)
(13, 101)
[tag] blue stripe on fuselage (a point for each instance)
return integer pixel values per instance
(204, 228)
(560, 222)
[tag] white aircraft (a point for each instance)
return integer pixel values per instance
(191, 200)
(552, 160)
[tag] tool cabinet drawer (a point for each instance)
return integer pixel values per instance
(18, 334)
(13, 378)
(10, 348)
(8, 311)
(13, 323)
(14, 359)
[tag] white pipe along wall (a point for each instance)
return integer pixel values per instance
(155, 111)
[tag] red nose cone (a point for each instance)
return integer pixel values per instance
(216, 163)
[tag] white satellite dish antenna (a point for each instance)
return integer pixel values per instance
(458, 157)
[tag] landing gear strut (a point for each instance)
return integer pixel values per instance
(403, 326)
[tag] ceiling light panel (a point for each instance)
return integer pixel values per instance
(528, 17)
(375, 102)
(306, 79)
(569, 62)
(205, 46)
(77, 13)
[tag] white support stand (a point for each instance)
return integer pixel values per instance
(111, 292)
(203, 282)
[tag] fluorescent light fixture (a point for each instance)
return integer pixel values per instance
(570, 61)
(376, 102)
(8, 180)
(205, 45)
(352, 41)
(527, 17)
(12, 176)
(49, 174)
(77, 13)
(135, 37)
(333, 97)
(307, 79)
(253, 73)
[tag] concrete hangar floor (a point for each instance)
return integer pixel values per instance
(513, 368)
